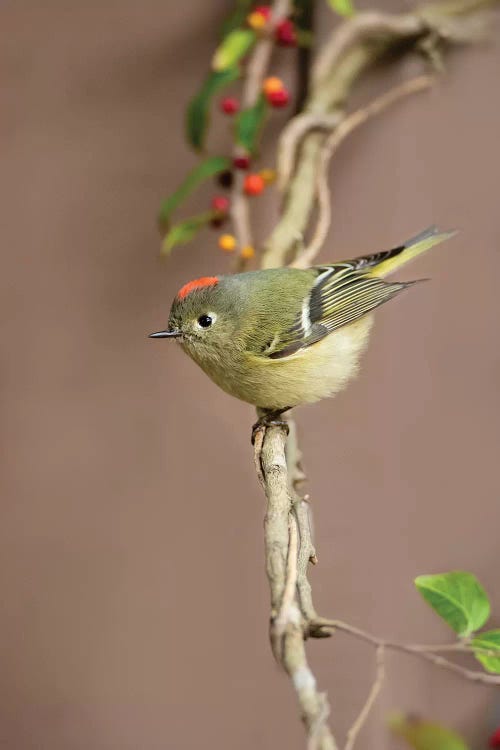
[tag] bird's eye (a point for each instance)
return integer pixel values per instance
(205, 321)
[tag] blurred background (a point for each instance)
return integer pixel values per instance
(134, 605)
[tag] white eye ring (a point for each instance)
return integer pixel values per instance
(213, 318)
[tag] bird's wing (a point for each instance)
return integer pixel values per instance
(340, 295)
(387, 261)
(344, 292)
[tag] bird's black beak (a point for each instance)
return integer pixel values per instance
(165, 335)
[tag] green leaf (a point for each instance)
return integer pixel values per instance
(303, 13)
(249, 125)
(237, 17)
(458, 598)
(203, 171)
(305, 38)
(232, 48)
(342, 7)
(199, 107)
(488, 640)
(182, 233)
(425, 735)
(303, 16)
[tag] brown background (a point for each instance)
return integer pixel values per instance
(133, 600)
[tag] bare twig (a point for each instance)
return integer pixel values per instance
(429, 653)
(332, 143)
(307, 554)
(440, 661)
(240, 215)
(372, 697)
(296, 473)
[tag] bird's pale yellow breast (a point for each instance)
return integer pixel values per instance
(309, 375)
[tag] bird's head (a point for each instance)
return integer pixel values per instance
(205, 317)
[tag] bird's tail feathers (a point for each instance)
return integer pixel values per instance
(415, 246)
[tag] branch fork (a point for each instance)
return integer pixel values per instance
(305, 150)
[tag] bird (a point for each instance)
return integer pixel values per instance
(283, 337)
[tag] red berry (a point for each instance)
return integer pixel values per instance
(495, 739)
(229, 105)
(263, 10)
(254, 184)
(220, 204)
(285, 33)
(278, 98)
(241, 162)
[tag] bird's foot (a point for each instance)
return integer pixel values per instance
(269, 419)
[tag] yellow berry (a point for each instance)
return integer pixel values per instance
(272, 85)
(268, 175)
(247, 252)
(256, 21)
(227, 242)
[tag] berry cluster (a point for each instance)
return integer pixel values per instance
(254, 183)
(273, 88)
(227, 242)
(276, 92)
(277, 96)
(284, 29)
(285, 34)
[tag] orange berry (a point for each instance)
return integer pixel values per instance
(271, 85)
(256, 21)
(268, 175)
(247, 252)
(253, 184)
(227, 242)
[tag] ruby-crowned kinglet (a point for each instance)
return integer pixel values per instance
(282, 337)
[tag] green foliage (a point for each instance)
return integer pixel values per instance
(182, 233)
(249, 124)
(425, 735)
(488, 640)
(199, 107)
(303, 19)
(203, 171)
(305, 38)
(232, 48)
(342, 7)
(237, 17)
(458, 598)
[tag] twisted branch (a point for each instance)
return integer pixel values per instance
(305, 150)
(330, 146)
(287, 624)
(354, 46)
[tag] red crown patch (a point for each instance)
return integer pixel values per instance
(197, 284)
